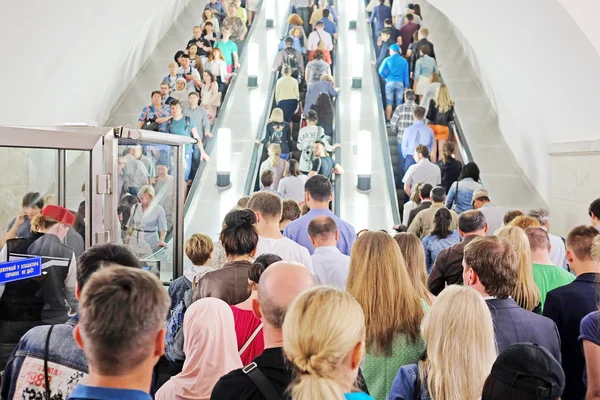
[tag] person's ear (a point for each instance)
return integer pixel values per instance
(258, 217)
(486, 227)
(570, 256)
(306, 197)
(331, 197)
(256, 309)
(357, 355)
(253, 252)
(312, 240)
(337, 235)
(77, 336)
(159, 344)
(77, 291)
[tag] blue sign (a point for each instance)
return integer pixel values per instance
(21, 269)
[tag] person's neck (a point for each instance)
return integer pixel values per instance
(314, 205)
(193, 106)
(269, 229)
(585, 267)
(273, 337)
(427, 199)
(177, 117)
(245, 257)
(419, 121)
(247, 304)
(324, 243)
(156, 106)
(541, 256)
(139, 378)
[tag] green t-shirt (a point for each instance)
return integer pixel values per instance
(550, 277)
(227, 49)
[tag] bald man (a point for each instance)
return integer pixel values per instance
(330, 266)
(279, 285)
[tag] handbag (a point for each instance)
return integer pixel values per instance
(150, 124)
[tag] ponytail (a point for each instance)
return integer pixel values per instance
(239, 236)
(448, 152)
(310, 386)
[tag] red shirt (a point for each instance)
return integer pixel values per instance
(245, 325)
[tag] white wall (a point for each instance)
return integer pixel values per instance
(541, 72)
(68, 60)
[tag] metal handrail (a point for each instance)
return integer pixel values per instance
(383, 136)
(337, 182)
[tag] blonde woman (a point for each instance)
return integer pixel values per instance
(171, 79)
(380, 282)
(414, 259)
(440, 114)
(274, 163)
(414, 202)
(278, 132)
(209, 16)
(461, 350)
(526, 293)
(324, 339)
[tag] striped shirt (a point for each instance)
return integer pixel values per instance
(403, 118)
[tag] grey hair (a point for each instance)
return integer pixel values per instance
(541, 214)
(438, 194)
(147, 189)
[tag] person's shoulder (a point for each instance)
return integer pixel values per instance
(231, 386)
(590, 324)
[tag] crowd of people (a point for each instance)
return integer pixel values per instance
(297, 305)
(469, 300)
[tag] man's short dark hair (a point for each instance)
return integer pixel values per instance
(194, 93)
(33, 199)
(175, 103)
(267, 178)
(425, 49)
(325, 13)
(423, 150)
(512, 214)
(409, 17)
(164, 83)
(155, 92)
(388, 21)
(312, 116)
(438, 194)
(538, 238)
(319, 188)
(496, 264)
(419, 112)
(103, 255)
(426, 191)
(386, 31)
(594, 208)
(410, 95)
(471, 221)
(319, 23)
(320, 143)
(580, 240)
(185, 56)
(322, 225)
(289, 42)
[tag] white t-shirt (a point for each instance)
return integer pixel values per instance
(285, 248)
(424, 171)
(190, 85)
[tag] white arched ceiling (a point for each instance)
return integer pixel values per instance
(540, 65)
(69, 60)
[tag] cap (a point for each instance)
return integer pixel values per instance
(60, 214)
(395, 48)
(530, 368)
(479, 193)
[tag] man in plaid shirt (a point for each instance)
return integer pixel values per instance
(401, 119)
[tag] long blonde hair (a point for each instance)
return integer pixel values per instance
(322, 327)
(274, 151)
(461, 347)
(276, 115)
(442, 99)
(414, 258)
(379, 281)
(525, 293)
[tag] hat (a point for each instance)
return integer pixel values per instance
(530, 368)
(60, 214)
(395, 48)
(479, 193)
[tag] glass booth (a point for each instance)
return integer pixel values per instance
(124, 186)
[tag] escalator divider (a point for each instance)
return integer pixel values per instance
(337, 156)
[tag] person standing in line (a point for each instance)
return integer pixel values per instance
(440, 238)
(318, 194)
(424, 192)
(425, 67)
(287, 94)
(278, 132)
(407, 32)
(448, 269)
(569, 304)
(416, 134)
(494, 215)
(329, 264)
(229, 49)
(378, 16)
(304, 10)
(292, 184)
(558, 251)
(422, 225)
(274, 163)
(199, 116)
(323, 164)
(291, 212)
(450, 166)
(155, 116)
(491, 268)
(189, 73)
(440, 115)
(121, 330)
(402, 118)
(461, 192)
(423, 171)
(394, 70)
(307, 137)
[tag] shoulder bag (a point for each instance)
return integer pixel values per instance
(265, 387)
(46, 355)
(251, 339)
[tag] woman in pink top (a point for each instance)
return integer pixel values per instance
(248, 328)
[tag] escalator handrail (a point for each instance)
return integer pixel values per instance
(258, 149)
(337, 181)
(382, 129)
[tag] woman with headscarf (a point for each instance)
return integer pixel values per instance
(181, 93)
(210, 348)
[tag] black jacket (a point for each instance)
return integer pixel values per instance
(417, 49)
(448, 268)
(425, 204)
(437, 117)
(513, 324)
(450, 172)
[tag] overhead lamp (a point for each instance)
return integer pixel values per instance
(270, 13)
(357, 65)
(253, 65)
(364, 162)
(224, 158)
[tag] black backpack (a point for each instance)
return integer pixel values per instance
(187, 124)
(290, 60)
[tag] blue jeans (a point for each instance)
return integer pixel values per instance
(187, 160)
(285, 156)
(400, 161)
(394, 90)
(408, 161)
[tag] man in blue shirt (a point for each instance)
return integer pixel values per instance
(379, 15)
(416, 134)
(121, 331)
(318, 193)
(185, 126)
(219, 8)
(394, 70)
(329, 26)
